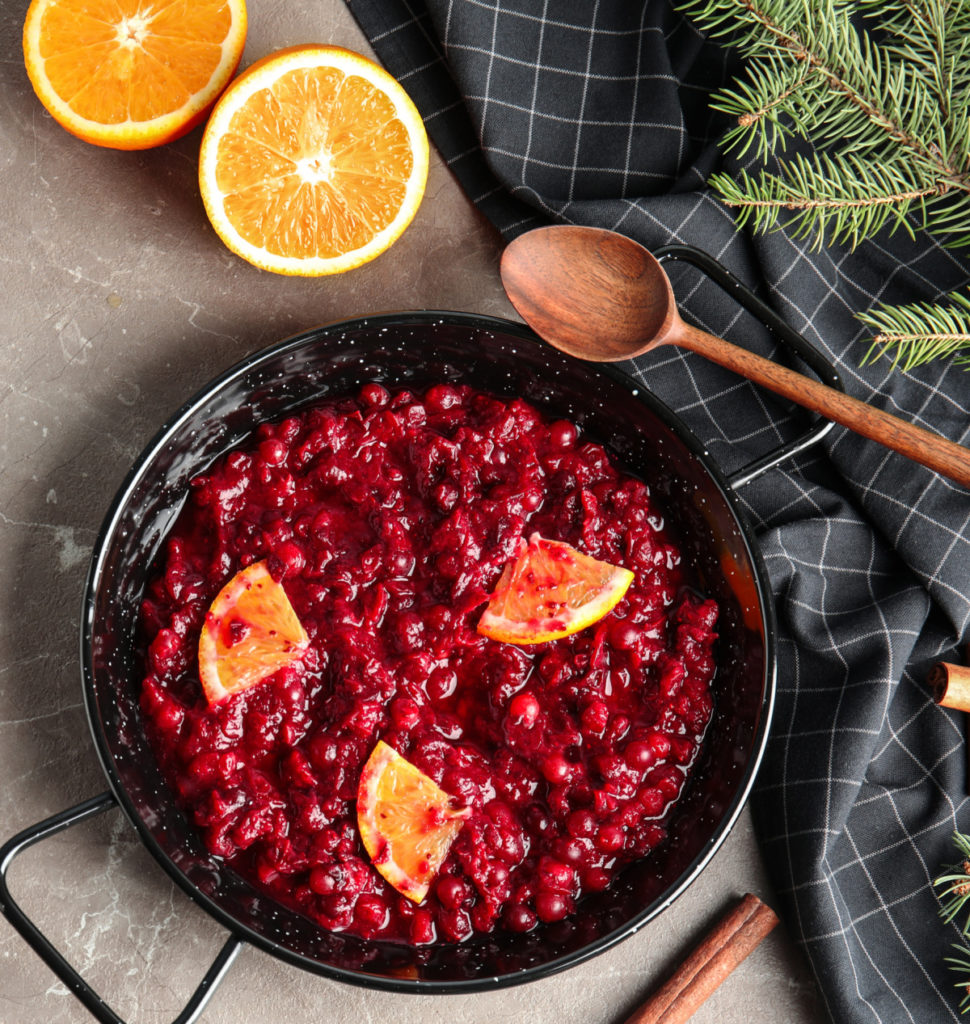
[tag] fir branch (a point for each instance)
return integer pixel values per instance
(913, 335)
(880, 92)
(884, 101)
(761, 105)
(873, 96)
(840, 197)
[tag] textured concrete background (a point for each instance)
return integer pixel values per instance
(119, 302)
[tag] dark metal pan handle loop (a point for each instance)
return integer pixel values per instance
(45, 949)
(785, 333)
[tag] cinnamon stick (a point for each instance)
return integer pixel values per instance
(733, 938)
(950, 685)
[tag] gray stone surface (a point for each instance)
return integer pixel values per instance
(119, 302)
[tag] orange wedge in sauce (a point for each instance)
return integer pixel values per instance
(551, 590)
(250, 632)
(407, 822)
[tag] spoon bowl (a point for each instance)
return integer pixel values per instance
(600, 296)
(559, 277)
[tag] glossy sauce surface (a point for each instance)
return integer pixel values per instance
(388, 519)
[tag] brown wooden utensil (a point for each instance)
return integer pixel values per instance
(598, 295)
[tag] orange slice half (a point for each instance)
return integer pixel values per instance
(551, 590)
(407, 822)
(131, 74)
(250, 632)
(314, 161)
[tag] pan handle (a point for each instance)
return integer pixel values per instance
(45, 949)
(795, 343)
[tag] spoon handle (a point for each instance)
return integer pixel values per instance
(923, 446)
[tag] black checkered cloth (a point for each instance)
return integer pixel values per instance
(596, 113)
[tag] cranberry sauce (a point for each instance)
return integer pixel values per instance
(388, 520)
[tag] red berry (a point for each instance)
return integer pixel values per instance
(524, 709)
(552, 906)
(555, 768)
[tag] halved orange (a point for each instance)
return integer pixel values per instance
(550, 590)
(250, 632)
(131, 74)
(407, 822)
(314, 161)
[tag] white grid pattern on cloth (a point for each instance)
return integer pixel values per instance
(863, 783)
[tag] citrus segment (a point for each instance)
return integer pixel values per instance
(314, 161)
(131, 74)
(551, 590)
(407, 822)
(250, 632)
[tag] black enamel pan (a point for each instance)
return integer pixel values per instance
(414, 350)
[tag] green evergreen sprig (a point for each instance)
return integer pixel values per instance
(859, 113)
(921, 331)
(955, 886)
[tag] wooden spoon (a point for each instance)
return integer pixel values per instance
(599, 295)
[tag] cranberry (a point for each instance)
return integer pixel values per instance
(400, 561)
(452, 892)
(441, 684)
(524, 709)
(669, 782)
(408, 632)
(555, 875)
(552, 906)
(610, 838)
(324, 881)
(653, 801)
(442, 397)
(603, 803)
(292, 557)
(640, 754)
(537, 819)
(531, 499)
(660, 744)
(164, 650)
(572, 850)
(519, 918)
(596, 879)
(446, 496)
(374, 395)
(372, 913)
(455, 925)
(672, 676)
(405, 713)
(554, 668)
(555, 768)
(169, 716)
(273, 452)
(562, 434)
(625, 635)
(325, 841)
(595, 717)
(290, 688)
(618, 728)
(337, 911)
(422, 932)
